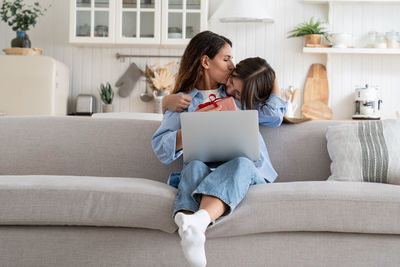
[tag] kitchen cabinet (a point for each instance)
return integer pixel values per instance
(182, 19)
(92, 21)
(148, 22)
(138, 22)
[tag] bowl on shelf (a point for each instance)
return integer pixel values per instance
(341, 40)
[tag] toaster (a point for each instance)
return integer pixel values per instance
(85, 104)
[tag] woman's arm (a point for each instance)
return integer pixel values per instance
(176, 102)
(167, 140)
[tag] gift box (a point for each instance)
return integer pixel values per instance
(226, 104)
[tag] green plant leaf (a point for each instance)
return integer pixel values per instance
(308, 27)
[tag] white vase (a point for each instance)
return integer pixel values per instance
(108, 108)
(158, 96)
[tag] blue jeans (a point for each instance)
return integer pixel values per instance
(229, 182)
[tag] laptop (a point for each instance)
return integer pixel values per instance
(220, 136)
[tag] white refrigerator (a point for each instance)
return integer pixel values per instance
(33, 85)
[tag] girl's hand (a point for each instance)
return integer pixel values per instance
(176, 102)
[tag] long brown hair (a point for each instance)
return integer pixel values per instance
(190, 70)
(258, 81)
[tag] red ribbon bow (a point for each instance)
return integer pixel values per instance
(213, 101)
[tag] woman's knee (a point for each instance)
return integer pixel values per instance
(194, 171)
(196, 164)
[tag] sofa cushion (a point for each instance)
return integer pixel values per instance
(72, 145)
(365, 151)
(87, 201)
(314, 206)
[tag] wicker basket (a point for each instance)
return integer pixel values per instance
(23, 51)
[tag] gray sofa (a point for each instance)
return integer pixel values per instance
(90, 192)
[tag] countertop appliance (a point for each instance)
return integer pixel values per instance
(85, 104)
(33, 85)
(367, 103)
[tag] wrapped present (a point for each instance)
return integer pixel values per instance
(226, 104)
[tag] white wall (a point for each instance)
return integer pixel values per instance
(90, 66)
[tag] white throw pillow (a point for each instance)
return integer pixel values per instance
(367, 151)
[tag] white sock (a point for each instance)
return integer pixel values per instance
(191, 230)
(192, 244)
(200, 220)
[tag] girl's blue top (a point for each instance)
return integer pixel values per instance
(270, 113)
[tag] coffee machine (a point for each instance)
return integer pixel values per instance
(367, 103)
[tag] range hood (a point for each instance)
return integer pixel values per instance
(239, 11)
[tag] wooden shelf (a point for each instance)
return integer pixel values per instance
(372, 51)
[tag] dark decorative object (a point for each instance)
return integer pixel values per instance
(22, 40)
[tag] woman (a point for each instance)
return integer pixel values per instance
(204, 195)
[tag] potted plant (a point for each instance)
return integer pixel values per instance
(311, 30)
(107, 96)
(21, 18)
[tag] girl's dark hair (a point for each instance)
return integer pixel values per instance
(190, 71)
(258, 81)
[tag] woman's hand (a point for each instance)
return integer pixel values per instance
(176, 102)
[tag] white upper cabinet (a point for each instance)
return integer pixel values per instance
(92, 21)
(138, 21)
(182, 19)
(156, 22)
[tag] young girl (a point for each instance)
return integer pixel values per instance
(204, 195)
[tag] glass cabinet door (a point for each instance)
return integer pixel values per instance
(138, 21)
(183, 19)
(93, 20)
(163, 22)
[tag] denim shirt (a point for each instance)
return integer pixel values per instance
(270, 113)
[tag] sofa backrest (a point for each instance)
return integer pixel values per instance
(122, 148)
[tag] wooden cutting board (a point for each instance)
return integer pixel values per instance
(316, 88)
(316, 111)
